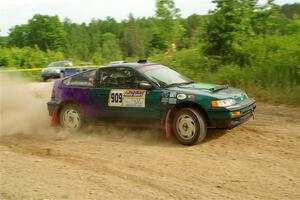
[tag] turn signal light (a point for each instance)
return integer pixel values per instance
(214, 104)
(236, 113)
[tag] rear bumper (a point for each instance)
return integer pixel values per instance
(225, 119)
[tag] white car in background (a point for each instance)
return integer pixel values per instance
(56, 70)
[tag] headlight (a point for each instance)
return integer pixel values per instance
(222, 103)
(43, 70)
(57, 70)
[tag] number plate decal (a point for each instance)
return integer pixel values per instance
(127, 98)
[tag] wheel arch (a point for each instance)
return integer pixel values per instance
(62, 104)
(189, 104)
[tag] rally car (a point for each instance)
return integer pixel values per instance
(150, 94)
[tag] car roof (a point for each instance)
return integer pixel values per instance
(131, 65)
(124, 64)
(60, 61)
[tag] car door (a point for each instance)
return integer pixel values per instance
(122, 97)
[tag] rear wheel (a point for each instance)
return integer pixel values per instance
(189, 126)
(70, 117)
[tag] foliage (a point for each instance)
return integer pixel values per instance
(110, 48)
(291, 10)
(2, 41)
(168, 22)
(273, 73)
(27, 57)
(132, 41)
(77, 40)
(228, 27)
(43, 31)
(241, 43)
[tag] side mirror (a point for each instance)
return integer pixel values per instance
(145, 85)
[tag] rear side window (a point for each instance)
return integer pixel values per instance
(121, 77)
(85, 79)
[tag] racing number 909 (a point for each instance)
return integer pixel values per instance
(116, 97)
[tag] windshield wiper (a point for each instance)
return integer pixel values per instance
(177, 84)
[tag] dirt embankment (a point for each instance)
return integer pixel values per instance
(257, 160)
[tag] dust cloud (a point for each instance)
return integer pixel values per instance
(129, 135)
(23, 107)
(23, 110)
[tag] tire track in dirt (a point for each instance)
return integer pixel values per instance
(257, 160)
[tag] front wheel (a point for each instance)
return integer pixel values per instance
(189, 126)
(70, 117)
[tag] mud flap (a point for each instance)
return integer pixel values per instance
(168, 131)
(54, 118)
(252, 113)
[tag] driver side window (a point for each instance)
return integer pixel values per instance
(118, 78)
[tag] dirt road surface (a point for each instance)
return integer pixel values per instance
(257, 160)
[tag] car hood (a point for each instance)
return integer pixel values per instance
(213, 91)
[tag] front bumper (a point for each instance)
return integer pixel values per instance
(225, 118)
(49, 74)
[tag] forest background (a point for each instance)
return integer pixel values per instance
(241, 43)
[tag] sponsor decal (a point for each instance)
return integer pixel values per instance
(172, 100)
(173, 94)
(134, 93)
(181, 96)
(165, 94)
(127, 98)
(164, 100)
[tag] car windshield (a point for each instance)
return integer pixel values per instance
(164, 76)
(59, 64)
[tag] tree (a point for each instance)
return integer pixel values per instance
(193, 22)
(132, 40)
(291, 10)
(18, 36)
(77, 40)
(228, 27)
(43, 31)
(98, 59)
(95, 30)
(266, 18)
(110, 49)
(47, 32)
(3, 41)
(168, 22)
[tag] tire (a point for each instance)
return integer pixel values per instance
(71, 117)
(189, 126)
(45, 79)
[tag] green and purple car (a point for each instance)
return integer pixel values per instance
(148, 94)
